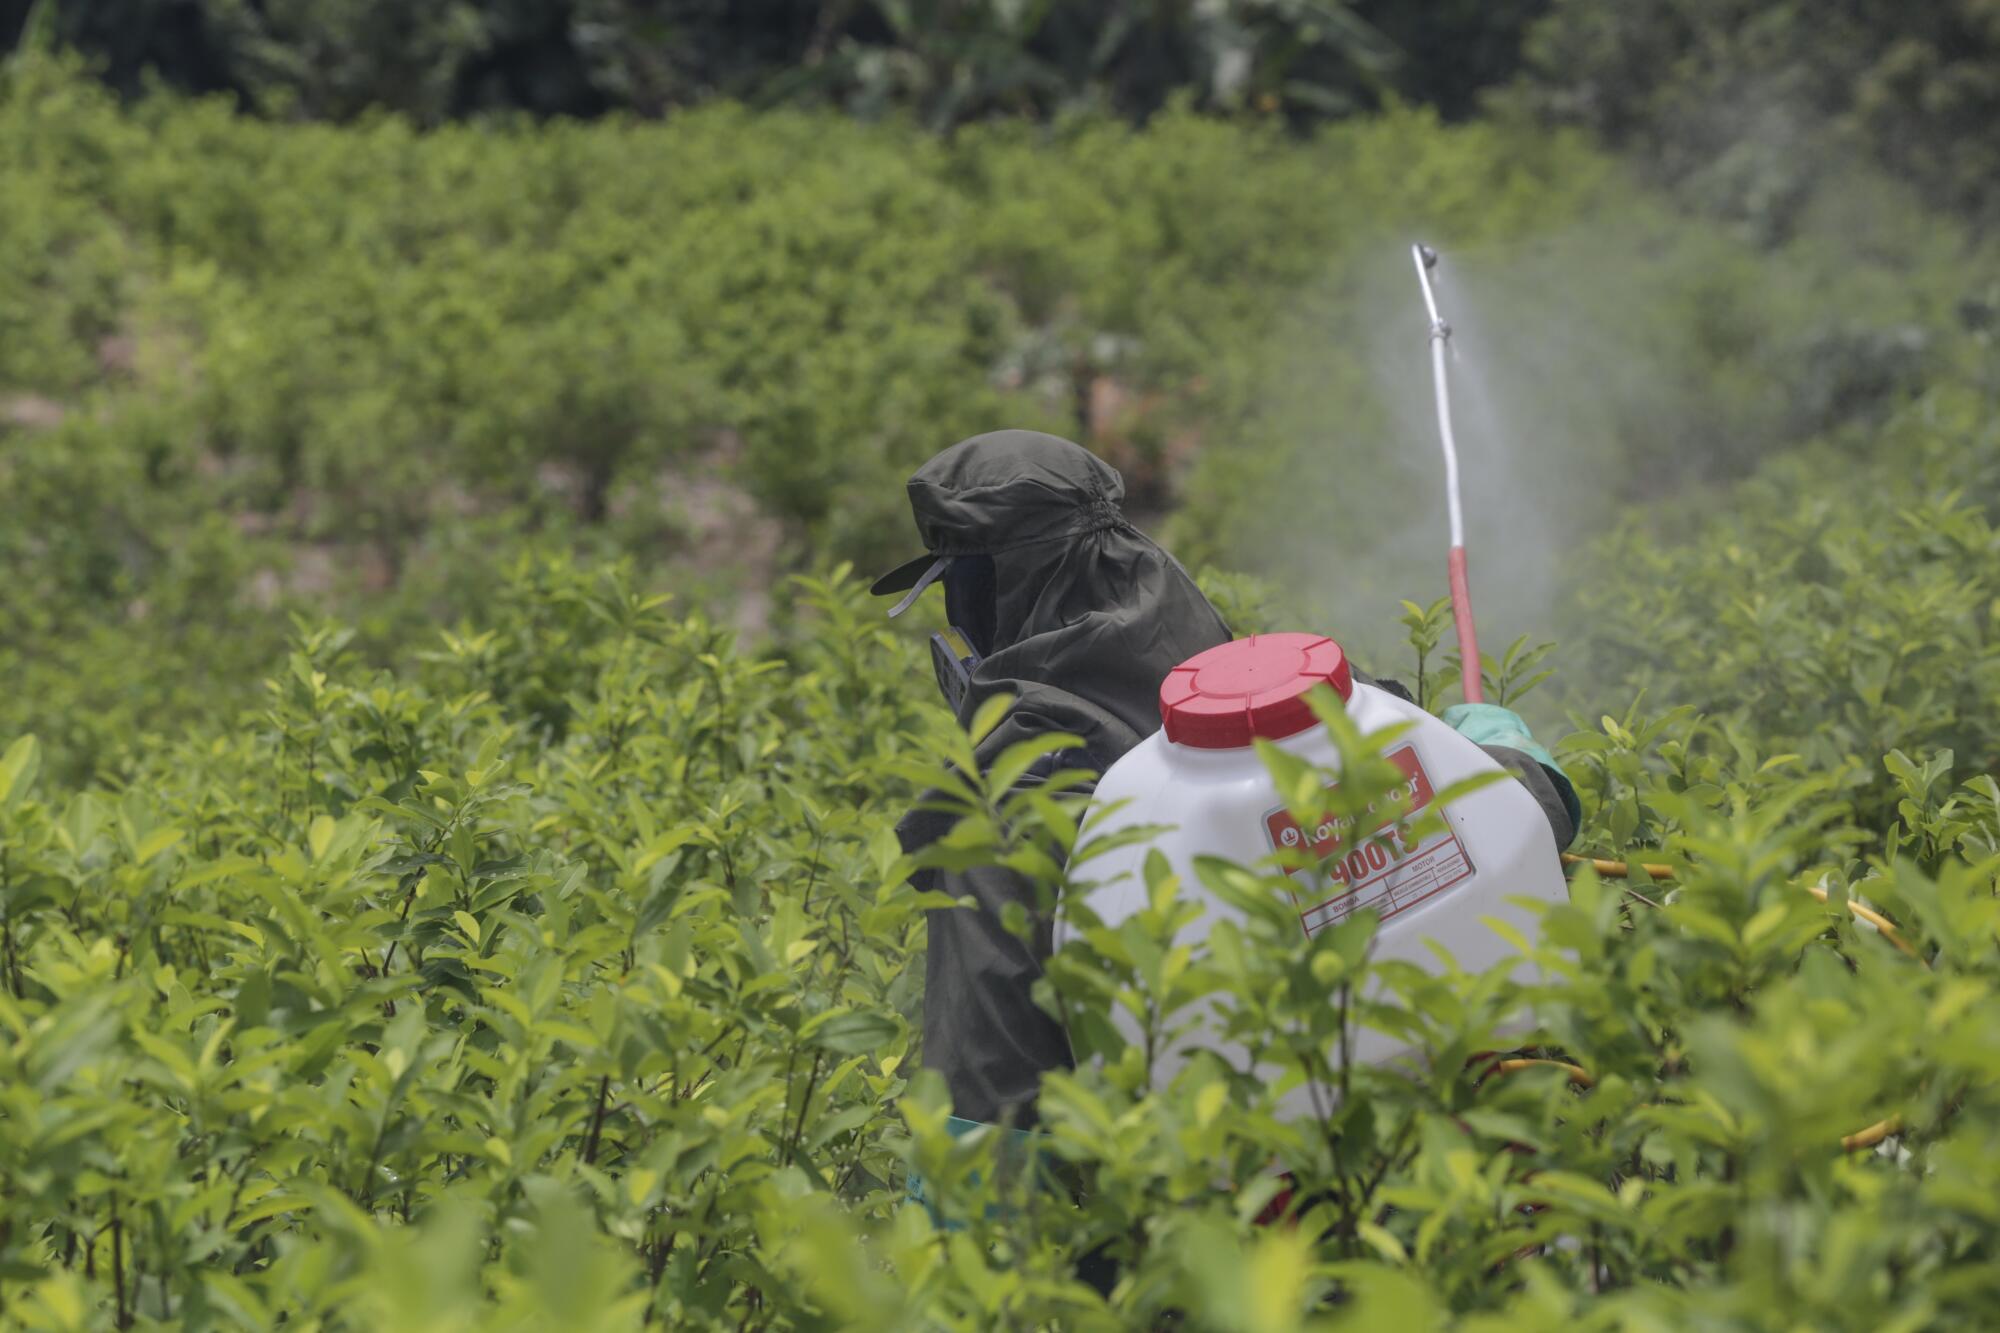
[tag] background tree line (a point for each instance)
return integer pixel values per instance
(1745, 103)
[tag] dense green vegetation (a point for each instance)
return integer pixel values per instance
(1838, 606)
(949, 61)
(1749, 107)
(447, 875)
(583, 948)
(247, 369)
(1758, 110)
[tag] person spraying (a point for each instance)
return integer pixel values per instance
(1054, 598)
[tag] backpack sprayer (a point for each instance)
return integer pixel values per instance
(1461, 591)
(1201, 778)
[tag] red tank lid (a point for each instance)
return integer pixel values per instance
(1222, 698)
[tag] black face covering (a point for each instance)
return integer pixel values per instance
(971, 604)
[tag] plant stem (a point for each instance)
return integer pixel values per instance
(118, 1264)
(596, 1121)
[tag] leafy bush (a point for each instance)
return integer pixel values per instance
(398, 323)
(298, 367)
(569, 979)
(1839, 606)
(337, 965)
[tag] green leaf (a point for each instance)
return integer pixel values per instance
(991, 711)
(18, 767)
(156, 842)
(320, 836)
(851, 1032)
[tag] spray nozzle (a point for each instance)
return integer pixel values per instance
(1427, 259)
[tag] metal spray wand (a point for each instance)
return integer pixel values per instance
(1461, 593)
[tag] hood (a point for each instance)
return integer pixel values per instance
(1084, 603)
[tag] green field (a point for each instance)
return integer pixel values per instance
(447, 868)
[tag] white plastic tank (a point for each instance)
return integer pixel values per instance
(1200, 774)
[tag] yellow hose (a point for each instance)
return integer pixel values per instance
(1577, 1073)
(1618, 868)
(1874, 1134)
(1873, 918)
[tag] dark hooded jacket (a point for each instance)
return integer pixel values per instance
(1079, 617)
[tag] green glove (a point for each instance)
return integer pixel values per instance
(1019, 1148)
(1490, 724)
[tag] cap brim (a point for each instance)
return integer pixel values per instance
(927, 571)
(904, 576)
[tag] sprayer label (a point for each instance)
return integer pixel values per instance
(1390, 873)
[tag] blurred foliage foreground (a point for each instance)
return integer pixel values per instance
(567, 980)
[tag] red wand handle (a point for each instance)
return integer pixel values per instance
(1468, 638)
